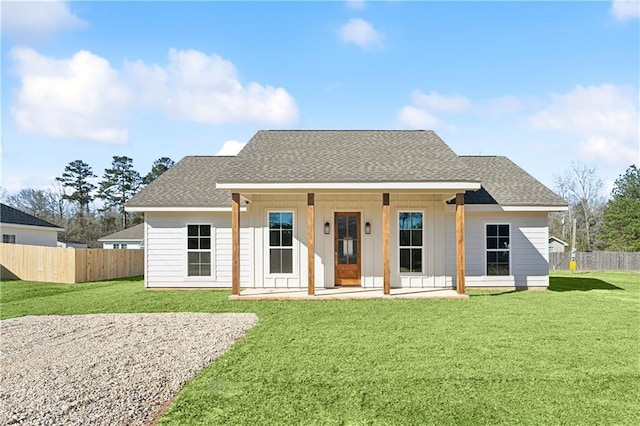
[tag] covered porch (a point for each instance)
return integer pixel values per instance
(346, 293)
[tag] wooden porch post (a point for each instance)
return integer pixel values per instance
(386, 268)
(460, 258)
(311, 252)
(235, 243)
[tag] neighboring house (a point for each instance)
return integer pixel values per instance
(18, 227)
(130, 238)
(72, 244)
(556, 245)
(319, 209)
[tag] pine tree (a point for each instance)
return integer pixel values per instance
(76, 176)
(118, 185)
(160, 166)
(622, 215)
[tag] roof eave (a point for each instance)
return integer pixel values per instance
(448, 186)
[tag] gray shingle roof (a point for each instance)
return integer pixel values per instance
(134, 233)
(507, 184)
(190, 183)
(288, 156)
(14, 216)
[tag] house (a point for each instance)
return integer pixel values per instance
(72, 244)
(320, 209)
(556, 245)
(18, 227)
(130, 238)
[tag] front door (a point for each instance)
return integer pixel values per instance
(347, 248)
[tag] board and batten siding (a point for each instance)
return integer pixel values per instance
(529, 249)
(166, 250)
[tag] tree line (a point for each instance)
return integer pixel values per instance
(72, 203)
(602, 224)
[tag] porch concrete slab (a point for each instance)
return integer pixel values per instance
(346, 293)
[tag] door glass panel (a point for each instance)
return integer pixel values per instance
(352, 256)
(353, 227)
(342, 227)
(342, 252)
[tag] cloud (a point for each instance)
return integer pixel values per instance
(421, 112)
(77, 98)
(355, 4)
(84, 97)
(37, 20)
(604, 116)
(206, 89)
(625, 9)
(361, 33)
(231, 148)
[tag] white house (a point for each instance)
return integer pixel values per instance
(130, 238)
(18, 227)
(556, 245)
(320, 209)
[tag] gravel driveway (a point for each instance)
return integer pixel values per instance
(107, 369)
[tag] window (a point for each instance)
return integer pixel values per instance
(199, 250)
(8, 238)
(119, 246)
(280, 242)
(410, 241)
(498, 249)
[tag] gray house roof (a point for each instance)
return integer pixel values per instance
(321, 156)
(13, 216)
(190, 183)
(134, 233)
(505, 183)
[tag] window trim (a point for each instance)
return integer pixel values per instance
(185, 245)
(486, 250)
(423, 246)
(294, 245)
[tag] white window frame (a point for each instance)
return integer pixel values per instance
(423, 246)
(11, 238)
(211, 250)
(294, 246)
(487, 250)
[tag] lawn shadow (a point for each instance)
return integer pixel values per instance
(579, 284)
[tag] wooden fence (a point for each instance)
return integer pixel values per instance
(65, 265)
(596, 261)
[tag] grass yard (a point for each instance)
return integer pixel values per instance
(570, 355)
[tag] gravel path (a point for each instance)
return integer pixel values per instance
(111, 369)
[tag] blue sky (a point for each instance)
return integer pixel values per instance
(543, 83)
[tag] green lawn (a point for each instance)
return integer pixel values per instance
(570, 355)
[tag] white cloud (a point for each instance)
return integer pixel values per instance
(356, 4)
(625, 9)
(231, 148)
(421, 112)
(605, 117)
(361, 33)
(206, 89)
(36, 20)
(77, 98)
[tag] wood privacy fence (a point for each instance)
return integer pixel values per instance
(64, 265)
(596, 261)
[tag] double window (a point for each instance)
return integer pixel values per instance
(410, 226)
(199, 250)
(498, 249)
(8, 238)
(280, 242)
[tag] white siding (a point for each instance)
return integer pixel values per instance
(31, 235)
(166, 253)
(529, 249)
(131, 245)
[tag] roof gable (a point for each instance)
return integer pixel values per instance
(10, 215)
(327, 156)
(133, 233)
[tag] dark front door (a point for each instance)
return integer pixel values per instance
(347, 249)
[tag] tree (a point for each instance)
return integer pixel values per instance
(622, 215)
(581, 187)
(160, 166)
(75, 176)
(118, 185)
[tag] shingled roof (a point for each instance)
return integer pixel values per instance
(322, 156)
(505, 183)
(190, 183)
(9, 215)
(134, 233)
